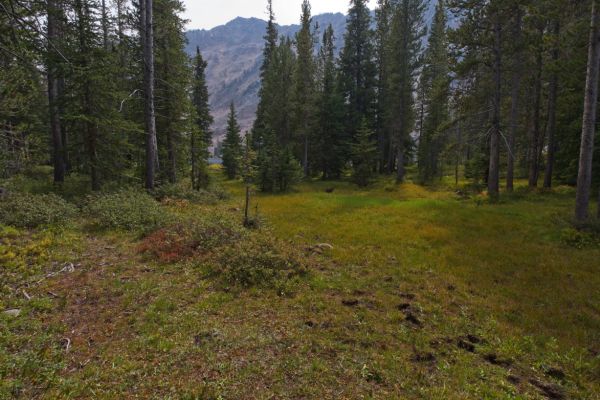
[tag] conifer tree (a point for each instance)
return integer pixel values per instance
(408, 28)
(304, 75)
(201, 136)
(357, 68)
(364, 155)
(436, 83)
(260, 127)
(172, 82)
(232, 145)
(383, 17)
(330, 149)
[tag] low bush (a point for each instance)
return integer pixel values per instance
(234, 255)
(181, 192)
(258, 261)
(24, 210)
(578, 239)
(192, 239)
(129, 210)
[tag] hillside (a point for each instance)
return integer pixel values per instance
(234, 55)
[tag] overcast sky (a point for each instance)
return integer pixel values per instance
(206, 14)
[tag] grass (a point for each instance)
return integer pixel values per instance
(425, 295)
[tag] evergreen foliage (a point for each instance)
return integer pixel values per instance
(232, 146)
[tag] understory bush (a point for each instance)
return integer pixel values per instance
(231, 253)
(198, 237)
(25, 210)
(578, 238)
(184, 192)
(258, 261)
(129, 209)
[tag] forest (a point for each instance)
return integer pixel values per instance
(413, 215)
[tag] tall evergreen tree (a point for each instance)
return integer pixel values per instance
(584, 179)
(260, 128)
(304, 76)
(357, 67)
(330, 146)
(147, 39)
(408, 29)
(172, 82)
(201, 136)
(383, 17)
(232, 145)
(436, 83)
(364, 155)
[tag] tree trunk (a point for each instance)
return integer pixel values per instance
(104, 25)
(584, 178)
(305, 156)
(494, 169)
(400, 157)
(171, 156)
(552, 95)
(194, 156)
(53, 91)
(515, 92)
(147, 36)
(535, 138)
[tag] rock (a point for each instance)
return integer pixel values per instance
(324, 246)
(13, 313)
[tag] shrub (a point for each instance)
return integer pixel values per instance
(577, 238)
(129, 209)
(181, 192)
(193, 239)
(257, 261)
(26, 210)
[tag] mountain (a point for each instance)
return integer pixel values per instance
(234, 55)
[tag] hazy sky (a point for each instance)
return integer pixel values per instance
(210, 13)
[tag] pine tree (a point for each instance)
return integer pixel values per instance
(304, 75)
(232, 145)
(383, 17)
(436, 83)
(408, 28)
(330, 150)
(584, 180)
(54, 13)
(357, 68)
(364, 155)
(201, 140)
(172, 83)
(260, 127)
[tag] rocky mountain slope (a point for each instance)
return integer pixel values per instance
(234, 55)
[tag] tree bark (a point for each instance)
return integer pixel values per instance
(53, 95)
(147, 36)
(494, 168)
(584, 178)
(552, 96)
(400, 157)
(536, 133)
(515, 94)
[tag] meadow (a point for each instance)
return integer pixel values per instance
(409, 293)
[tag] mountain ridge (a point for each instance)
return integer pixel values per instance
(233, 52)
